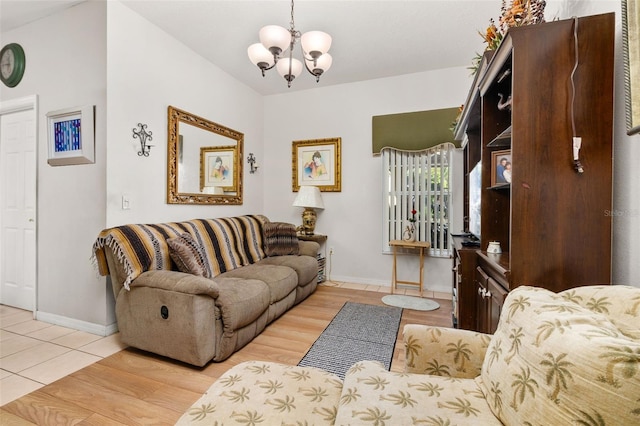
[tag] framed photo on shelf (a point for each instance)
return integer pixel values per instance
(218, 173)
(317, 162)
(501, 167)
(71, 136)
(631, 56)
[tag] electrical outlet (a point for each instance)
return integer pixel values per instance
(331, 251)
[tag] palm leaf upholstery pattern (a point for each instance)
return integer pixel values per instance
(567, 358)
(441, 351)
(389, 399)
(264, 393)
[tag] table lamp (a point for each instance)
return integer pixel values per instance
(213, 190)
(308, 197)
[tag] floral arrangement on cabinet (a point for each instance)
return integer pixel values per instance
(517, 14)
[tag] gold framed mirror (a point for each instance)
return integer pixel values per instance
(204, 163)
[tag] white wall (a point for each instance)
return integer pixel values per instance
(352, 219)
(147, 70)
(66, 66)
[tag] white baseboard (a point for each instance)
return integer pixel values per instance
(100, 330)
(441, 290)
(359, 280)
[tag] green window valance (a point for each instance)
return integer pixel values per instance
(413, 131)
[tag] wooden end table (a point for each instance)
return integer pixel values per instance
(322, 260)
(421, 246)
(318, 238)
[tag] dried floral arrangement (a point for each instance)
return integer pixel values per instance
(518, 13)
(521, 12)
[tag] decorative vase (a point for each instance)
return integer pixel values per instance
(409, 233)
(494, 247)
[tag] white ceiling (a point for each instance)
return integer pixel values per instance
(371, 39)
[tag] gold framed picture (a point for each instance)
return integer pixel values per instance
(218, 173)
(316, 162)
(501, 167)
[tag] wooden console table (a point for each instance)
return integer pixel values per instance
(421, 246)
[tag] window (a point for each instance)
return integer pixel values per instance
(418, 180)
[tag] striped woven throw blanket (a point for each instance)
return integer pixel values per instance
(228, 243)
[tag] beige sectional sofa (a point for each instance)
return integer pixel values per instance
(199, 290)
(571, 358)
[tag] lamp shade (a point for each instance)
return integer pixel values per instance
(275, 38)
(309, 196)
(258, 54)
(322, 64)
(213, 190)
(283, 68)
(315, 43)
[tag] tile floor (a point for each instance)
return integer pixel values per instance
(34, 353)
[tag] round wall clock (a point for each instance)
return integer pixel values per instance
(12, 64)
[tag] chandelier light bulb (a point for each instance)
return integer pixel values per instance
(315, 43)
(275, 39)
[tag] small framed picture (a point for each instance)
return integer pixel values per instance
(317, 162)
(218, 173)
(501, 167)
(71, 136)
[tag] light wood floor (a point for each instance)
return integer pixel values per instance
(137, 388)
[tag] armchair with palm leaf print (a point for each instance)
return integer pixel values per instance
(556, 358)
(443, 351)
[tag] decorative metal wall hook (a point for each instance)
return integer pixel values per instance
(252, 163)
(144, 136)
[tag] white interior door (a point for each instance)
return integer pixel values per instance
(18, 167)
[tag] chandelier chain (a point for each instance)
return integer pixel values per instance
(292, 23)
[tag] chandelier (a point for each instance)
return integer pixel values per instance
(274, 41)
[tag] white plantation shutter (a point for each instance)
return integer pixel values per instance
(417, 180)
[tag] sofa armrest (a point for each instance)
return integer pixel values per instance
(444, 351)
(178, 282)
(308, 248)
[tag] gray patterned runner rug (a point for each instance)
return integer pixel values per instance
(358, 332)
